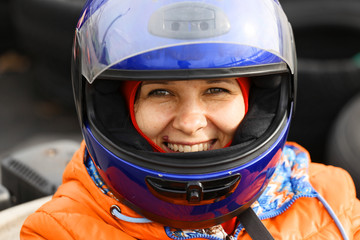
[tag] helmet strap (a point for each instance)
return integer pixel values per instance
(253, 225)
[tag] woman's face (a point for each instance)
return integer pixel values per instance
(189, 116)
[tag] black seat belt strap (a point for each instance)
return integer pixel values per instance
(253, 225)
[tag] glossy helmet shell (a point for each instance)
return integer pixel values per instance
(184, 40)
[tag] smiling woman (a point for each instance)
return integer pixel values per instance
(189, 113)
(188, 116)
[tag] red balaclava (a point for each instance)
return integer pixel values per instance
(129, 90)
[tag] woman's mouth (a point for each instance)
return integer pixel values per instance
(175, 147)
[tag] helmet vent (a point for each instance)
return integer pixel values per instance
(193, 192)
(188, 20)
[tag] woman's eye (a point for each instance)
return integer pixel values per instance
(159, 92)
(216, 90)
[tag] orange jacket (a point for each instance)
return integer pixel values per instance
(79, 210)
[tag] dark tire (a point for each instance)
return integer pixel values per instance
(343, 147)
(327, 36)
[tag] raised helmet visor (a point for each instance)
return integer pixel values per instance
(134, 28)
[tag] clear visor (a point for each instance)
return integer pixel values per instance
(115, 31)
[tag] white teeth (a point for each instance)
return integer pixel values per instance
(195, 148)
(189, 148)
(206, 147)
(201, 147)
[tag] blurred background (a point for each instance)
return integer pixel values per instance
(35, 49)
(37, 107)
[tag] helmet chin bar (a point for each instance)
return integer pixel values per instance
(192, 224)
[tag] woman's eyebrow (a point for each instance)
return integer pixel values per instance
(154, 82)
(215, 81)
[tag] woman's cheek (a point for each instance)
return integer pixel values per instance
(229, 116)
(151, 120)
(143, 118)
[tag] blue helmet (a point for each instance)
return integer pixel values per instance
(184, 40)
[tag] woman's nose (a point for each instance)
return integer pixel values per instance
(190, 118)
